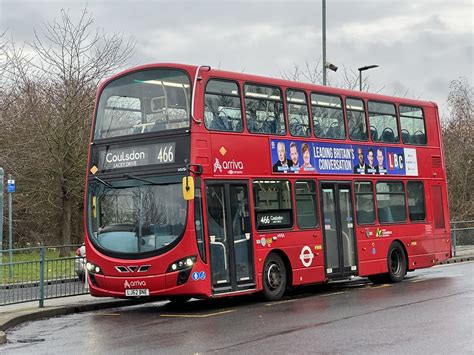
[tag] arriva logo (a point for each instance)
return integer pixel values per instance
(217, 166)
(230, 166)
(136, 283)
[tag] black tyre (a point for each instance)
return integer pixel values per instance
(274, 278)
(397, 263)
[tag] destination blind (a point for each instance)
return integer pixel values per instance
(111, 158)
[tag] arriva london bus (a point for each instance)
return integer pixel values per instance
(205, 183)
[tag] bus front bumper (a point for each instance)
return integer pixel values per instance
(177, 283)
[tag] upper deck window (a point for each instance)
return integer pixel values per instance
(145, 101)
(298, 114)
(222, 111)
(355, 113)
(383, 122)
(412, 124)
(328, 117)
(264, 109)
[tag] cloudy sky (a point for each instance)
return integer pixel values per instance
(420, 45)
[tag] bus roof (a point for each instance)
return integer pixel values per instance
(278, 82)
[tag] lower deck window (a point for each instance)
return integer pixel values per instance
(364, 197)
(272, 199)
(391, 205)
(416, 201)
(306, 202)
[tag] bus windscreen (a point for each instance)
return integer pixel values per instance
(134, 218)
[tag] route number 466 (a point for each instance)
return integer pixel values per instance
(165, 155)
(265, 220)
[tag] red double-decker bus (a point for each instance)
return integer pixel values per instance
(206, 183)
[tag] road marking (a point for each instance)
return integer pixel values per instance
(277, 303)
(334, 293)
(419, 280)
(196, 315)
(381, 286)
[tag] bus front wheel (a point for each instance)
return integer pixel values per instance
(274, 278)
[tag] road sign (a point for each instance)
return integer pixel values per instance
(11, 186)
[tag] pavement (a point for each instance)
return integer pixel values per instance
(15, 314)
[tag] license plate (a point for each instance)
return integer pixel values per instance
(137, 292)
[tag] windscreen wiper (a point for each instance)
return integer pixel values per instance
(130, 176)
(108, 184)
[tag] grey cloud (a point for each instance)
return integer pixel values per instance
(417, 47)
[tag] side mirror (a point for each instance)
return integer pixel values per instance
(188, 188)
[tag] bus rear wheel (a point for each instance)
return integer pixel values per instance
(274, 278)
(397, 266)
(397, 263)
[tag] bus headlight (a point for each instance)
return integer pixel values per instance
(181, 264)
(93, 269)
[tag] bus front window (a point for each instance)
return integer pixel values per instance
(135, 218)
(145, 101)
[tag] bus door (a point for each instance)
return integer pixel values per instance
(338, 228)
(230, 238)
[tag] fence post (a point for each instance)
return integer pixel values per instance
(41, 281)
(1, 215)
(11, 189)
(454, 238)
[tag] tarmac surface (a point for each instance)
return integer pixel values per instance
(15, 314)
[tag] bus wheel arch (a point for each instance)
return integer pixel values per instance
(275, 275)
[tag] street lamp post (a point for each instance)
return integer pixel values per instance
(361, 69)
(324, 41)
(326, 65)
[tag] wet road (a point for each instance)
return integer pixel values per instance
(432, 311)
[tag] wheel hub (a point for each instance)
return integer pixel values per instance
(274, 276)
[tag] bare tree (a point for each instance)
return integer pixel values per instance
(57, 87)
(313, 73)
(458, 139)
(310, 73)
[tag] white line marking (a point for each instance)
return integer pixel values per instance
(196, 315)
(277, 303)
(381, 286)
(334, 293)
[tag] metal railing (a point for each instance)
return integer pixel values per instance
(462, 237)
(39, 273)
